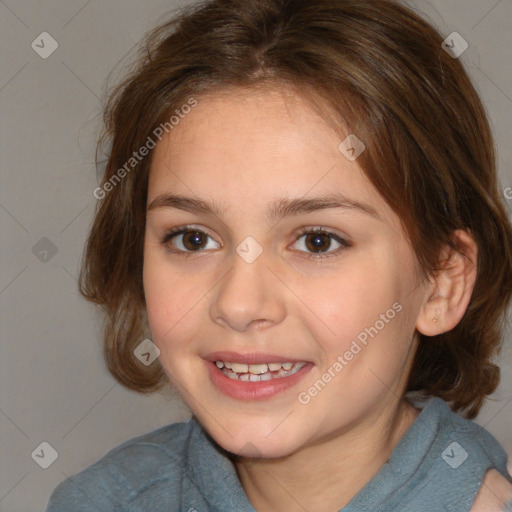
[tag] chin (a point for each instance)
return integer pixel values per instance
(256, 445)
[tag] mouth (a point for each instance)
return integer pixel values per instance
(258, 372)
(254, 376)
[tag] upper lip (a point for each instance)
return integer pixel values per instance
(250, 358)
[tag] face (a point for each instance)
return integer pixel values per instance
(261, 273)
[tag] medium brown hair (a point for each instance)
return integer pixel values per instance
(382, 73)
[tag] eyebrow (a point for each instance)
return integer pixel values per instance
(278, 209)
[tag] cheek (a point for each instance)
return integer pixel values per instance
(342, 305)
(171, 302)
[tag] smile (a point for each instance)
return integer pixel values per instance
(254, 376)
(258, 372)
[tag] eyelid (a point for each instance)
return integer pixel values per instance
(321, 229)
(187, 227)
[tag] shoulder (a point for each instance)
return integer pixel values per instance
(467, 438)
(451, 459)
(151, 460)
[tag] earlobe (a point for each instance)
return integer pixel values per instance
(451, 287)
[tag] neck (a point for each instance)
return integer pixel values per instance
(335, 469)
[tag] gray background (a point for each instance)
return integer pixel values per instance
(54, 385)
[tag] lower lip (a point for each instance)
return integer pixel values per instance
(243, 390)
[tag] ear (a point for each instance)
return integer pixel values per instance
(451, 287)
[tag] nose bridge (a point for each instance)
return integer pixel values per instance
(246, 295)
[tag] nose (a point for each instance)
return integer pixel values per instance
(249, 296)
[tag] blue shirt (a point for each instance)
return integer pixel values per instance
(438, 465)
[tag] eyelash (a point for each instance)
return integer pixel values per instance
(180, 230)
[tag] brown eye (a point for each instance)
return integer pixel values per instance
(316, 243)
(194, 240)
(186, 240)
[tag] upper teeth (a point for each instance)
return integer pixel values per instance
(255, 369)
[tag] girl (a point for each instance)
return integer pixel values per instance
(299, 227)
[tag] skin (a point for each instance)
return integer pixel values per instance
(244, 151)
(494, 494)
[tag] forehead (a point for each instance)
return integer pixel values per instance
(235, 124)
(247, 147)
